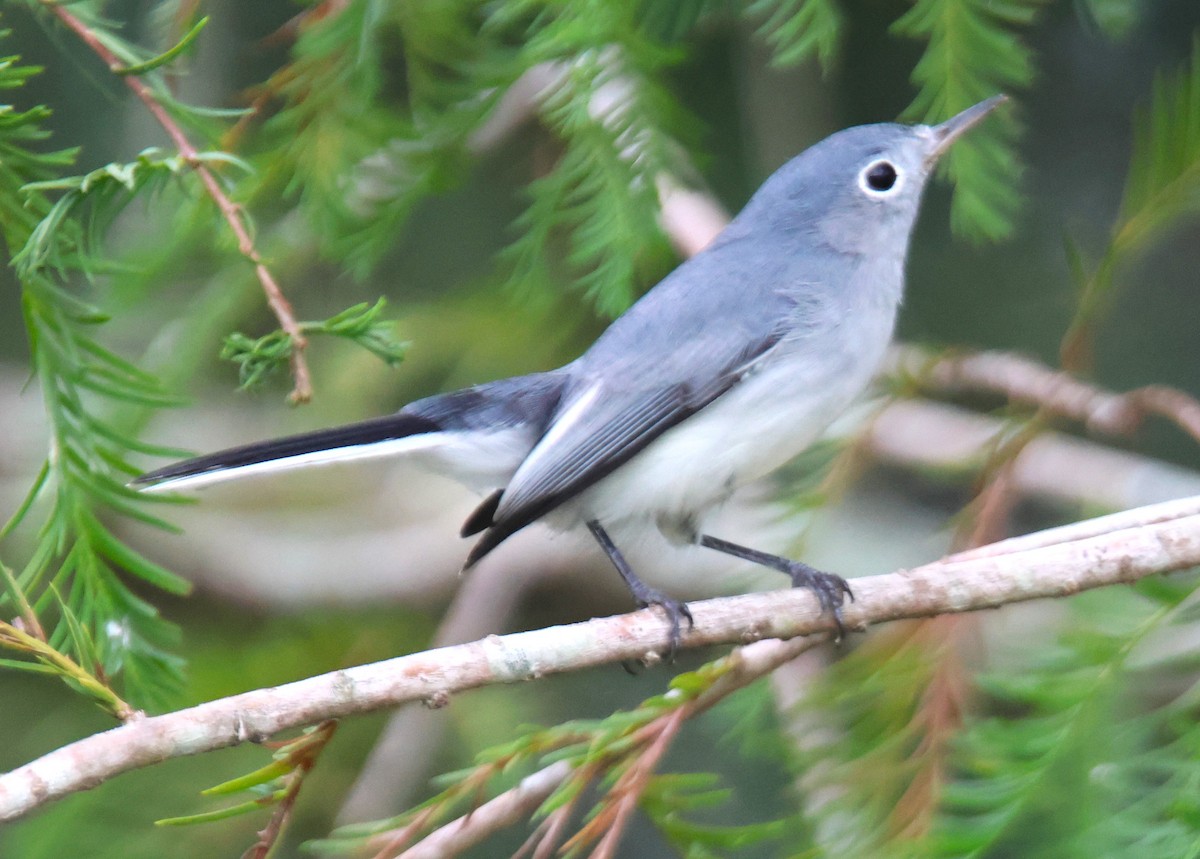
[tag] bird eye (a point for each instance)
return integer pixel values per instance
(878, 178)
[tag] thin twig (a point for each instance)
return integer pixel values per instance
(492, 816)
(302, 381)
(938, 718)
(1171, 403)
(937, 721)
(951, 586)
(632, 783)
(307, 749)
(919, 434)
(551, 834)
(742, 667)
(1024, 380)
(390, 843)
(27, 615)
(987, 516)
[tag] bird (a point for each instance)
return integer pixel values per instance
(729, 367)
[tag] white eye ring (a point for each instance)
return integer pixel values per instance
(881, 179)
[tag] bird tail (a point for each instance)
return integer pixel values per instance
(480, 434)
(377, 437)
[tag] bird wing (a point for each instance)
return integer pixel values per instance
(601, 424)
(683, 345)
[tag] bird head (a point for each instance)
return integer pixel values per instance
(859, 191)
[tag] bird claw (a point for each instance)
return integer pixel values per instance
(674, 609)
(831, 591)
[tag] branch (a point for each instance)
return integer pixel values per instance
(505, 810)
(923, 434)
(1086, 529)
(1024, 380)
(943, 587)
(613, 816)
(743, 666)
(405, 749)
(302, 381)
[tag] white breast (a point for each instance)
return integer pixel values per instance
(765, 420)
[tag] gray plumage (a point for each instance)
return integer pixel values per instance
(729, 367)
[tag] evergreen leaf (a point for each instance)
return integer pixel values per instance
(611, 116)
(1056, 725)
(1115, 18)
(800, 29)
(131, 561)
(75, 567)
(259, 358)
(1164, 172)
(168, 55)
(241, 808)
(973, 52)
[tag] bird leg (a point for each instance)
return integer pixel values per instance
(642, 592)
(831, 590)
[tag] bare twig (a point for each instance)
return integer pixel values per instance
(304, 753)
(549, 832)
(742, 667)
(937, 721)
(988, 514)
(408, 744)
(302, 381)
(391, 843)
(954, 586)
(503, 811)
(1024, 380)
(627, 792)
(944, 695)
(1171, 403)
(690, 218)
(518, 104)
(1152, 514)
(915, 434)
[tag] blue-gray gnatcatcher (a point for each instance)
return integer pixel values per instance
(728, 368)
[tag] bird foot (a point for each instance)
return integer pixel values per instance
(676, 611)
(831, 591)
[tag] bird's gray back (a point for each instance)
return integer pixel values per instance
(734, 302)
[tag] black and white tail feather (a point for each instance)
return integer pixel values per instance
(478, 436)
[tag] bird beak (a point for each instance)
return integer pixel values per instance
(956, 126)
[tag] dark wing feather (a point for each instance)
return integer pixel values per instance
(683, 345)
(614, 428)
(481, 518)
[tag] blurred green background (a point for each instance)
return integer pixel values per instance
(440, 277)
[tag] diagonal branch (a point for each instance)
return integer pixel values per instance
(494, 815)
(280, 306)
(1055, 570)
(1024, 380)
(613, 818)
(743, 666)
